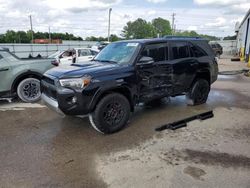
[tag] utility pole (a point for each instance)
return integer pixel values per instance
(173, 25)
(49, 35)
(109, 24)
(31, 28)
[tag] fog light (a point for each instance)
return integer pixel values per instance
(74, 100)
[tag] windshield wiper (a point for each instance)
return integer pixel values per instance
(108, 61)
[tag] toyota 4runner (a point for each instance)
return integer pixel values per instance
(126, 73)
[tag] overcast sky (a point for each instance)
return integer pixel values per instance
(90, 17)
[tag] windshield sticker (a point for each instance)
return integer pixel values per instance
(132, 44)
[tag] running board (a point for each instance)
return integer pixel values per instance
(183, 123)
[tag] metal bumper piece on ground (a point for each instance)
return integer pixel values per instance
(52, 104)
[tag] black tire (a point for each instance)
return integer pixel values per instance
(198, 93)
(111, 114)
(28, 90)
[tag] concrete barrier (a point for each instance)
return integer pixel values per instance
(23, 50)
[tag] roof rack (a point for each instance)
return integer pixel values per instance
(182, 37)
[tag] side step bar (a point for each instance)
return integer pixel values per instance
(183, 123)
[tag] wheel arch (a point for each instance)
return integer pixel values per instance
(123, 90)
(19, 78)
(203, 74)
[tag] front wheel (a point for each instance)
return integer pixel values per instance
(28, 90)
(198, 93)
(111, 114)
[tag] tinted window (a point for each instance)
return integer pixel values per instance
(196, 51)
(213, 45)
(119, 52)
(94, 53)
(84, 52)
(218, 46)
(204, 46)
(159, 52)
(180, 50)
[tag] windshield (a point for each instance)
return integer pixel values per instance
(54, 55)
(120, 53)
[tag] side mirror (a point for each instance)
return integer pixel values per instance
(146, 60)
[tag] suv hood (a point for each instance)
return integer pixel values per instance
(80, 69)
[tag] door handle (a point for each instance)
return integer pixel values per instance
(4, 69)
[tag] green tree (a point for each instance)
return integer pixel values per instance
(194, 34)
(114, 38)
(22, 37)
(162, 27)
(138, 29)
(10, 36)
(230, 37)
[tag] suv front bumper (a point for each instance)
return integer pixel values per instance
(51, 103)
(65, 100)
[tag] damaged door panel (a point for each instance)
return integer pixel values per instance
(184, 66)
(156, 78)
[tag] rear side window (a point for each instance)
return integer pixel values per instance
(159, 52)
(218, 46)
(84, 52)
(180, 50)
(204, 46)
(213, 46)
(197, 51)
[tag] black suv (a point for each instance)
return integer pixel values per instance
(126, 73)
(217, 48)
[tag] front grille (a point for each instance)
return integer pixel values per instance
(48, 87)
(168, 69)
(49, 92)
(48, 80)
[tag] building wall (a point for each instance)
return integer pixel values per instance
(229, 46)
(241, 37)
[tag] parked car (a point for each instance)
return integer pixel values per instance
(127, 73)
(21, 76)
(72, 56)
(99, 46)
(217, 48)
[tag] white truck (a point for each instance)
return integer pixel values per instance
(72, 56)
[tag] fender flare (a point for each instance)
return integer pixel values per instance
(99, 93)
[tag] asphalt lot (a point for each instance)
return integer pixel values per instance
(39, 148)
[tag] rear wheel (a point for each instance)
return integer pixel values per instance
(111, 114)
(28, 90)
(198, 94)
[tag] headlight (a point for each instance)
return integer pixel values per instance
(78, 83)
